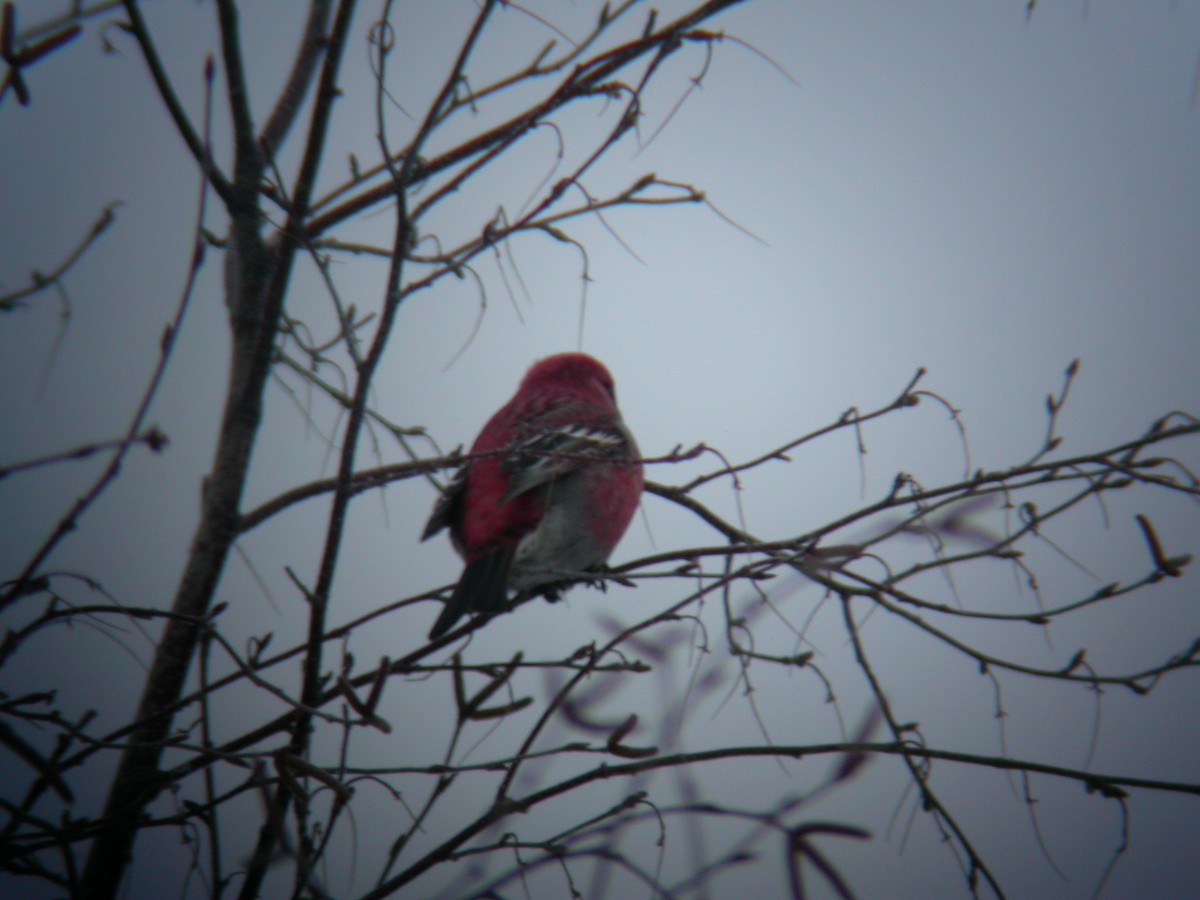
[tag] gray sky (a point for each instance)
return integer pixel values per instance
(940, 185)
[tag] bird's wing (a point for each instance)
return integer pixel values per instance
(555, 452)
(446, 509)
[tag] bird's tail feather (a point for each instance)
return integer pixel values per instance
(483, 588)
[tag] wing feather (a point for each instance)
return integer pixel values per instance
(446, 510)
(556, 452)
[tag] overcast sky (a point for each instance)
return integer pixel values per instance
(959, 187)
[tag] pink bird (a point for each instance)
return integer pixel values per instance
(547, 491)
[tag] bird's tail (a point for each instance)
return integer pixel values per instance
(483, 588)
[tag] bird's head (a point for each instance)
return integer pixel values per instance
(570, 373)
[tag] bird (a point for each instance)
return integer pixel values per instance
(546, 493)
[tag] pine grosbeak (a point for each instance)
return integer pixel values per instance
(550, 486)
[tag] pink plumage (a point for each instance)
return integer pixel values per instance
(548, 490)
